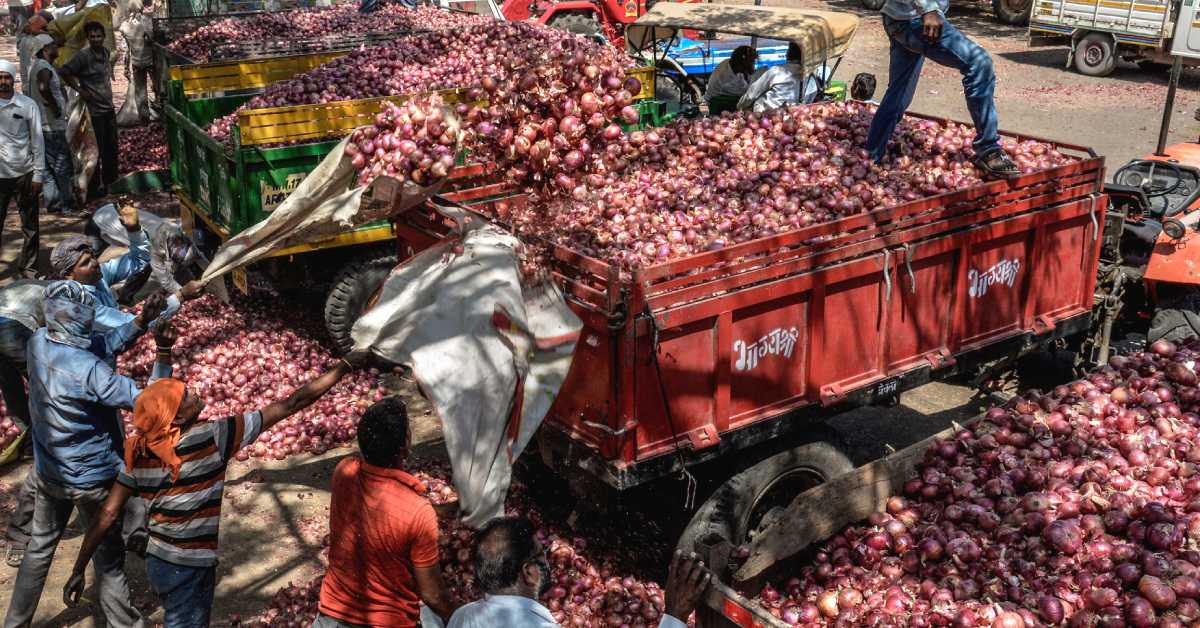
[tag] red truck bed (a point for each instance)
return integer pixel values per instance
(858, 308)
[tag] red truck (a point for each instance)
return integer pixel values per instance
(740, 354)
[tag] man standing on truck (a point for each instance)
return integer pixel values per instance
(89, 72)
(918, 29)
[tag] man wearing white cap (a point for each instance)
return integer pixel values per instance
(22, 162)
(46, 89)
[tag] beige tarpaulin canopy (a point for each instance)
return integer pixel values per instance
(823, 35)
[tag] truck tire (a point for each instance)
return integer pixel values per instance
(740, 505)
(352, 290)
(579, 23)
(1095, 55)
(873, 5)
(1014, 12)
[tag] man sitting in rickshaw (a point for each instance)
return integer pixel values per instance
(785, 84)
(730, 80)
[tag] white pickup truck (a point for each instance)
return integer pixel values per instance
(1101, 31)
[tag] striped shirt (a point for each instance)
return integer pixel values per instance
(185, 514)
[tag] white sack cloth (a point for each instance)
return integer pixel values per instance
(490, 353)
(162, 270)
(21, 301)
(322, 206)
(85, 154)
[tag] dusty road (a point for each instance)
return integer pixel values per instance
(276, 513)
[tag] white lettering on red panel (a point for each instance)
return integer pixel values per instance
(1003, 273)
(778, 341)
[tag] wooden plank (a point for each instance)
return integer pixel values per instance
(821, 512)
(235, 75)
(305, 122)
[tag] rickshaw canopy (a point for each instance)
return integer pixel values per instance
(822, 35)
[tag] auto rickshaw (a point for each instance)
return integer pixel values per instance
(685, 42)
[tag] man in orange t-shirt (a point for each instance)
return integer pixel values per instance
(383, 534)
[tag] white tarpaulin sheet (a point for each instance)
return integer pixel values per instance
(490, 353)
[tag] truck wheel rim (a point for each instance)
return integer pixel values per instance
(1093, 55)
(779, 493)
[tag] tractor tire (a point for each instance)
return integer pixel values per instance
(1095, 55)
(1012, 12)
(352, 291)
(873, 5)
(1177, 320)
(578, 23)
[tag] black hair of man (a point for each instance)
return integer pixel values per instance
(502, 546)
(93, 26)
(46, 15)
(794, 53)
(383, 432)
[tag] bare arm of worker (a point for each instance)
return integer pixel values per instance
(110, 512)
(305, 395)
(43, 84)
(432, 589)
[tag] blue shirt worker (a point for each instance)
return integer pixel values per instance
(918, 30)
(74, 258)
(78, 439)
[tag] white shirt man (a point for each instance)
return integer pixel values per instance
(22, 162)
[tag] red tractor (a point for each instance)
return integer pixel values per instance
(601, 18)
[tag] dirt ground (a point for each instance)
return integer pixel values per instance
(275, 513)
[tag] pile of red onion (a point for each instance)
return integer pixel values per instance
(594, 573)
(698, 185)
(142, 148)
(220, 38)
(241, 357)
(416, 141)
(514, 64)
(1079, 507)
(9, 431)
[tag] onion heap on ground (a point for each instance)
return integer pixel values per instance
(281, 27)
(599, 576)
(1080, 507)
(242, 357)
(142, 148)
(699, 185)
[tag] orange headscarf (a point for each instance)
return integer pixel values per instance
(154, 415)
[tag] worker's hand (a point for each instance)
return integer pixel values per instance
(165, 336)
(191, 290)
(154, 305)
(686, 582)
(931, 26)
(129, 217)
(73, 590)
(35, 188)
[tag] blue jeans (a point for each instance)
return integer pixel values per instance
(58, 187)
(954, 50)
(186, 592)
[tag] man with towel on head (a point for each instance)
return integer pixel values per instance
(78, 439)
(177, 463)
